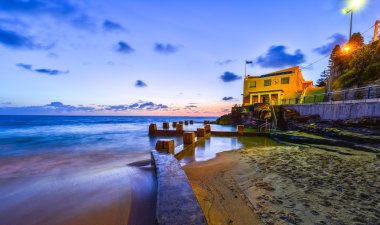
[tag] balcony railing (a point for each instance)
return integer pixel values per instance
(364, 93)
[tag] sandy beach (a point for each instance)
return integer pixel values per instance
(288, 185)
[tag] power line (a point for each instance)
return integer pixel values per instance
(317, 61)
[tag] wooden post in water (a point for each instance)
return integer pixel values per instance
(191, 122)
(165, 125)
(208, 128)
(180, 122)
(186, 122)
(201, 132)
(152, 129)
(179, 127)
(165, 145)
(188, 138)
(240, 129)
(174, 124)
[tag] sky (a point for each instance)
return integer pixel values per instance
(159, 57)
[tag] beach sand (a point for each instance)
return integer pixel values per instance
(288, 185)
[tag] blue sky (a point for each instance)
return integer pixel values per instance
(158, 57)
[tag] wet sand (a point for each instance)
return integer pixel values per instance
(288, 185)
(77, 189)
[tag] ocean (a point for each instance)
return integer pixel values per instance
(87, 170)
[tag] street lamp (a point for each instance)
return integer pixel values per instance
(353, 6)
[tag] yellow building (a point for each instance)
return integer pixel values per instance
(273, 87)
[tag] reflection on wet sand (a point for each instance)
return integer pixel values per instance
(93, 189)
(208, 148)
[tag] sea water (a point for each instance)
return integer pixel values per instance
(86, 170)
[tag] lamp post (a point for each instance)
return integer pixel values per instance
(353, 6)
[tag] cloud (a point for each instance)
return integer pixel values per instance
(190, 108)
(227, 98)
(276, 57)
(25, 66)
(49, 109)
(83, 21)
(229, 77)
(15, 40)
(125, 48)
(150, 106)
(165, 48)
(33, 7)
(51, 72)
(109, 25)
(225, 62)
(58, 108)
(62, 10)
(336, 39)
(140, 84)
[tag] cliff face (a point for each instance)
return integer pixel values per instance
(249, 116)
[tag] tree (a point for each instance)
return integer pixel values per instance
(321, 82)
(356, 41)
(336, 66)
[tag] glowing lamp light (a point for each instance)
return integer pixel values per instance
(347, 49)
(356, 3)
(345, 11)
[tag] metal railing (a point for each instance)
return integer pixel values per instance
(363, 93)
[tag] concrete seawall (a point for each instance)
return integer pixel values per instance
(176, 202)
(339, 110)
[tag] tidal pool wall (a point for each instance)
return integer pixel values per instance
(176, 202)
(339, 110)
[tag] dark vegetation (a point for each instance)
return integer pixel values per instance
(354, 65)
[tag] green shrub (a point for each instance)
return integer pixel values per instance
(347, 79)
(371, 73)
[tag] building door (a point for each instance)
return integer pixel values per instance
(265, 99)
(274, 100)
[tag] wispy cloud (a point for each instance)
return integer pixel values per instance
(335, 39)
(165, 48)
(83, 21)
(225, 62)
(125, 48)
(137, 106)
(140, 84)
(277, 57)
(109, 25)
(12, 39)
(58, 108)
(62, 10)
(51, 72)
(33, 7)
(229, 77)
(227, 98)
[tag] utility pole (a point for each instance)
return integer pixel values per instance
(376, 33)
(352, 15)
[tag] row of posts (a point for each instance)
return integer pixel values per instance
(165, 125)
(167, 145)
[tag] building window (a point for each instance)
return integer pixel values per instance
(285, 80)
(252, 84)
(267, 82)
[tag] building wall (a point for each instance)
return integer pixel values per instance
(296, 84)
